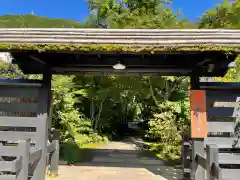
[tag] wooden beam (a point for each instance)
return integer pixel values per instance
(37, 60)
(137, 70)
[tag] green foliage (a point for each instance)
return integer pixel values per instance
(70, 152)
(9, 71)
(86, 108)
(167, 128)
(225, 15)
(65, 115)
(132, 14)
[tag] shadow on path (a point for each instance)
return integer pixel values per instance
(127, 155)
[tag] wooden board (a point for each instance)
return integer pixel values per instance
(198, 114)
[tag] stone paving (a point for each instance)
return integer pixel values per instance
(121, 162)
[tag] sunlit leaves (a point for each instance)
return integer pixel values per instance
(225, 15)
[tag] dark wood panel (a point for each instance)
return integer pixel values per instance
(18, 107)
(221, 96)
(223, 103)
(19, 92)
(224, 112)
(221, 119)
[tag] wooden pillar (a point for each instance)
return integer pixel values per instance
(43, 110)
(198, 126)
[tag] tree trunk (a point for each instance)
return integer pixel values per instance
(99, 115)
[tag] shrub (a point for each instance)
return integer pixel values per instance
(166, 129)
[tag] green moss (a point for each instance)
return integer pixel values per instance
(111, 48)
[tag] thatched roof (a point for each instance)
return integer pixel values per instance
(119, 40)
(146, 51)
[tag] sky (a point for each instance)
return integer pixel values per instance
(78, 10)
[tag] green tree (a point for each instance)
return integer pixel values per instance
(133, 14)
(225, 15)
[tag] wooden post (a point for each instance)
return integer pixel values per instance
(54, 157)
(24, 148)
(198, 126)
(186, 156)
(212, 159)
(198, 172)
(43, 109)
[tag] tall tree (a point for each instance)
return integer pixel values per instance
(225, 15)
(133, 14)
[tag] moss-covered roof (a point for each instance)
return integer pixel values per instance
(119, 40)
(113, 48)
(146, 51)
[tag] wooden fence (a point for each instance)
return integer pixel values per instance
(19, 168)
(216, 156)
(209, 164)
(27, 142)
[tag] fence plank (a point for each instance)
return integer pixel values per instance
(15, 136)
(230, 174)
(35, 155)
(18, 121)
(7, 177)
(9, 151)
(220, 126)
(7, 166)
(221, 142)
(229, 158)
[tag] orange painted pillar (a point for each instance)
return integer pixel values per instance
(198, 113)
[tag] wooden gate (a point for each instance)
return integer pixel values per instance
(217, 156)
(25, 147)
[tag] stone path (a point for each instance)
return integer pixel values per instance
(119, 161)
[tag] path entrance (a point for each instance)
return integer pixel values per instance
(120, 161)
